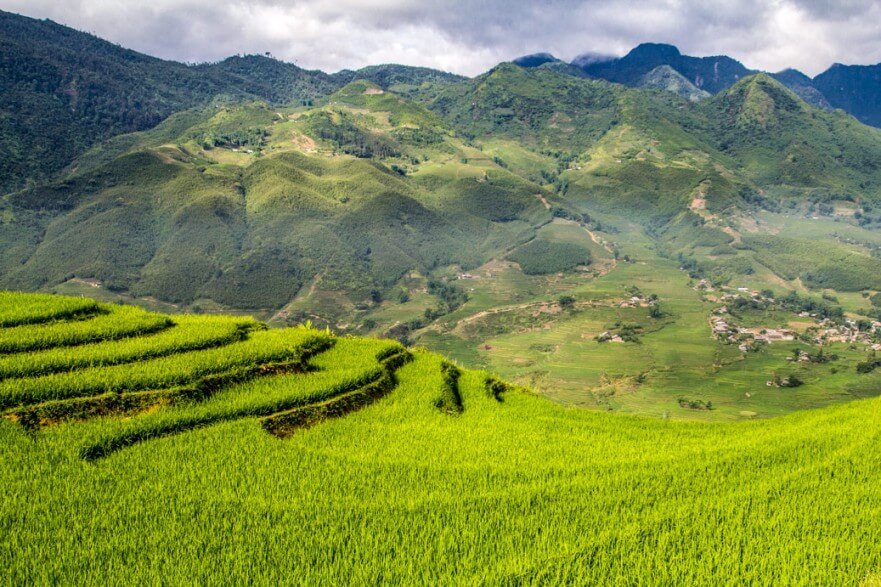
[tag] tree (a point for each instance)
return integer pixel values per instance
(566, 301)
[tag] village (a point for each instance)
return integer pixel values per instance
(824, 330)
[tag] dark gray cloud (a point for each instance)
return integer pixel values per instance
(469, 37)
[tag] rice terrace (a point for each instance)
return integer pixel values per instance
(290, 317)
(215, 435)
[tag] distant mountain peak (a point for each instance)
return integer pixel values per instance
(666, 78)
(711, 74)
(791, 72)
(854, 88)
(535, 59)
(657, 50)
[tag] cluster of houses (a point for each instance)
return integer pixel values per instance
(637, 301)
(826, 330)
(849, 331)
(609, 337)
(745, 338)
(704, 285)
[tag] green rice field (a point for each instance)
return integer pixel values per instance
(213, 451)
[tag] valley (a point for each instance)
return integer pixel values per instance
(375, 214)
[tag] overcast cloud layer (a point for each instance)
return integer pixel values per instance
(470, 37)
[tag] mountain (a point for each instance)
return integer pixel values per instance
(571, 234)
(711, 74)
(666, 78)
(535, 59)
(266, 200)
(804, 86)
(399, 78)
(779, 139)
(316, 207)
(64, 91)
(528, 103)
(855, 89)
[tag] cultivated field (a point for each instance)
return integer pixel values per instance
(213, 451)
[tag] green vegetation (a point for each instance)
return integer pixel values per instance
(820, 265)
(502, 220)
(707, 266)
(109, 324)
(18, 309)
(540, 257)
(264, 348)
(65, 90)
(277, 474)
(188, 333)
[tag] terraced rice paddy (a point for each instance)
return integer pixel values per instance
(201, 370)
(216, 452)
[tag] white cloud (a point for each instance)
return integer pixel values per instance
(470, 36)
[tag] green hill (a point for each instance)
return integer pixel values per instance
(781, 140)
(281, 449)
(264, 201)
(529, 105)
(65, 90)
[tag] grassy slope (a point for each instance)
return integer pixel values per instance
(519, 491)
(434, 479)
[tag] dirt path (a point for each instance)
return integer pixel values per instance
(284, 313)
(698, 205)
(613, 262)
(526, 306)
(599, 241)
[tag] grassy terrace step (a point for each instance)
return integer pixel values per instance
(350, 365)
(18, 308)
(288, 422)
(265, 347)
(189, 333)
(112, 323)
(52, 412)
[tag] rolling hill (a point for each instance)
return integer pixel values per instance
(265, 202)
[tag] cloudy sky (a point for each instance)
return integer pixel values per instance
(468, 37)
